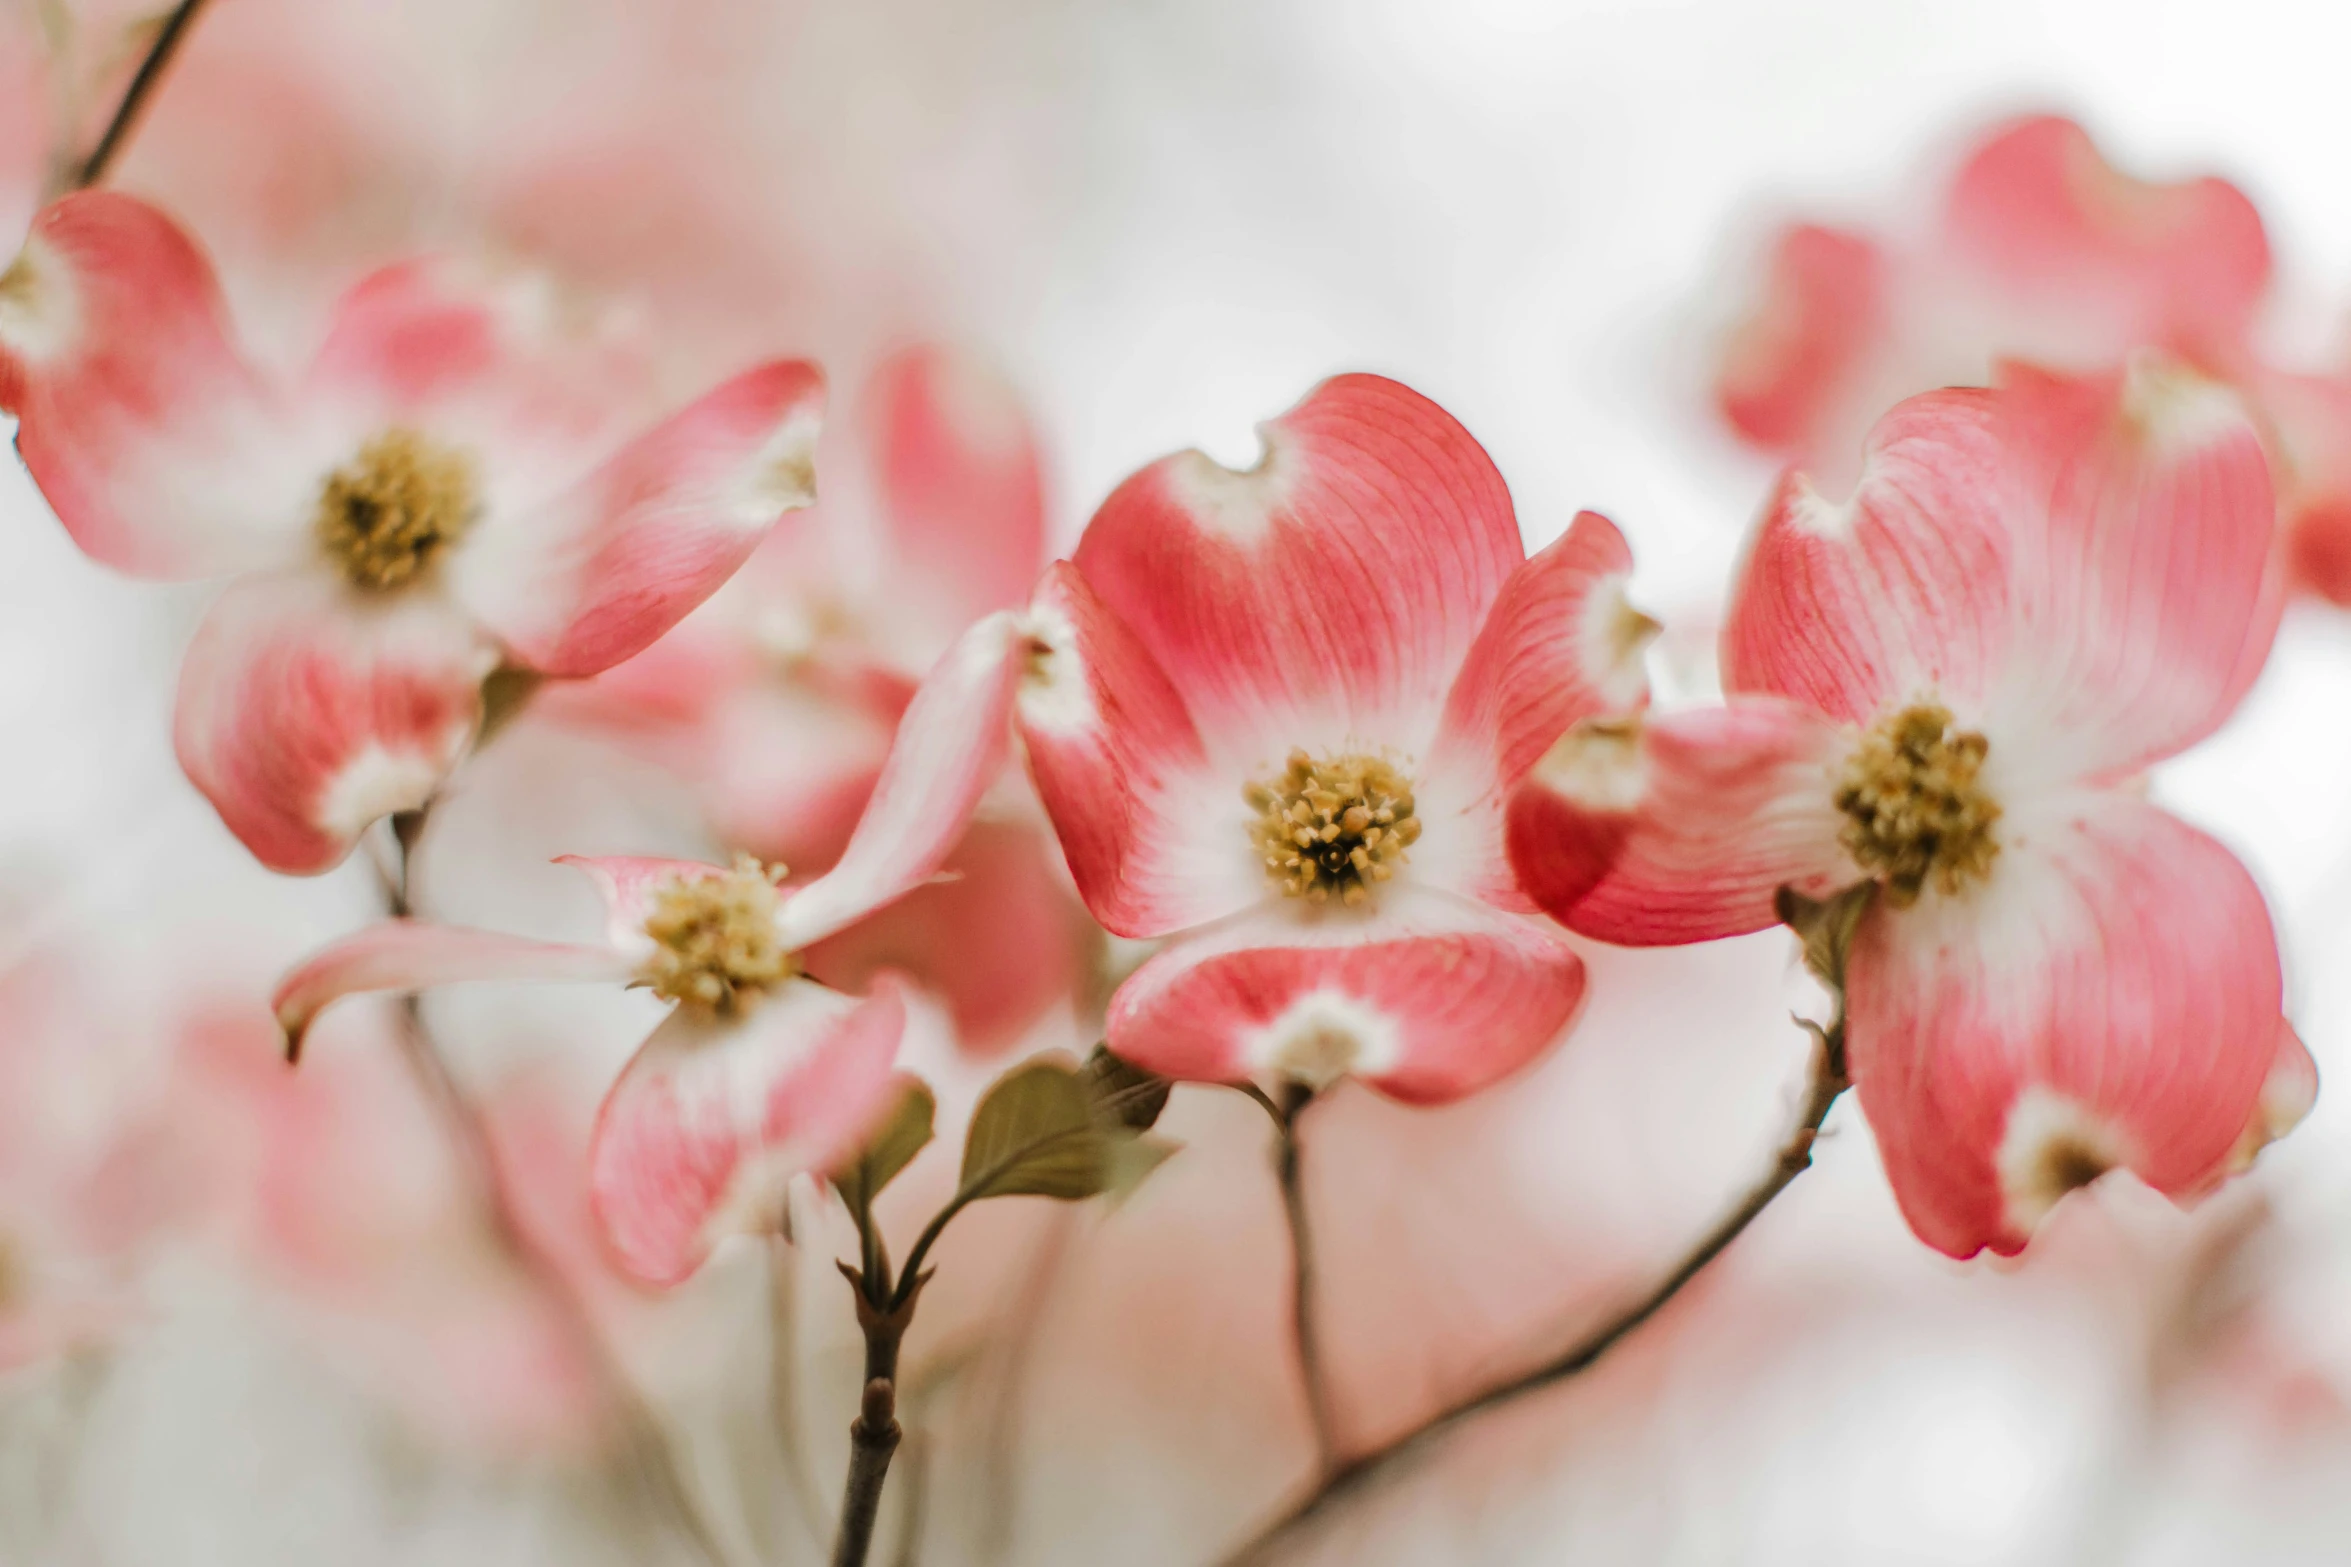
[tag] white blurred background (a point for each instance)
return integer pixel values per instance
(1166, 220)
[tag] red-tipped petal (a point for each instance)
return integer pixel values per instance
(1341, 580)
(950, 746)
(711, 1118)
(306, 713)
(144, 426)
(1156, 840)
(2182, 266)
(629, 883)
(1561, 645)
(962, 488)
(599, 573)
(1823, 315)
(1680, 827)
(2143, 573)
(1901, 590)
(407, 955)
(2108, 999)
(1428, 999)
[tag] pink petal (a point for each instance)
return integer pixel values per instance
(145, 428)
(1428, 999)
(1560, 645)
(306, 713)
(409, 955)
(1123, 774)
(1899, 591)
(2182, 266)
(1345, 576)
(962, 488)
(1680, 827)
(605, 569)
(708, 1121)
(1823, 316)
(2143, 577)
(2110, 997)
(629, 884)
(950, 747)
(997, 937)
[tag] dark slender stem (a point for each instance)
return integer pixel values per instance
(1305, 1336)
(118, 130)
(1350, 1479)
(873, 1439)
(476, 1155)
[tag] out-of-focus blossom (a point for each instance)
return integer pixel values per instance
(436, 497)
(2040, 251)
(759, 1072)
(1276, 714)
(776, 701)
(1947, 686)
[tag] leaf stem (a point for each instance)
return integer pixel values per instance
(1827, 1081)
(149, 76)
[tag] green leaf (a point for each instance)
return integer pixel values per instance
(890, 1149)
(1122, 1093)
(1034, 1134)
(1826, 927)
(1132, 1159)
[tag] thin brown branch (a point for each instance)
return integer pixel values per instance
(148, 77)
(1305, 1334)
(1357, 1475)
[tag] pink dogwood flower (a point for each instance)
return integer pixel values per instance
(1274, 716)
(1949, 685)
(2040, 250)
(759, 1072)
(436, 497)
(776, 700)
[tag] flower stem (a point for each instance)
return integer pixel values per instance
(882, 1315)
(149, 76)
(1356, 1476)
(1305, 1338)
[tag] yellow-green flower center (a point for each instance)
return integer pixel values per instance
(1916, 807)
(386, 515)
(1332, 829)
(715, 943)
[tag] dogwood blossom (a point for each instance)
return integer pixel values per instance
(759, 1071)
(437, 496)
(1274, 715)
(1948, 686)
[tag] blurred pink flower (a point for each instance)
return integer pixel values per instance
(759, 1072)
(2041, 251)
(1948, 685)
(1275, 714)
(436, 496)
(777, 700)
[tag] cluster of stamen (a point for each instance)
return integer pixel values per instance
(1333, 829)
(715, 942)
(384, 516)
(1917, 807)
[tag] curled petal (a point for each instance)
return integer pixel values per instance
(949, 748)
(1899, 591)
(962, 488)
(1680, 827)
(1823, 316)
(1156, 840)
(2109, 999)
(711, 1118)
(306, 713)
(1428, 999)
(2145, 592)
(2182, 266)
(600, 572)
(629, 883)
(1346, 574)
(408, 955)
(145, 428)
